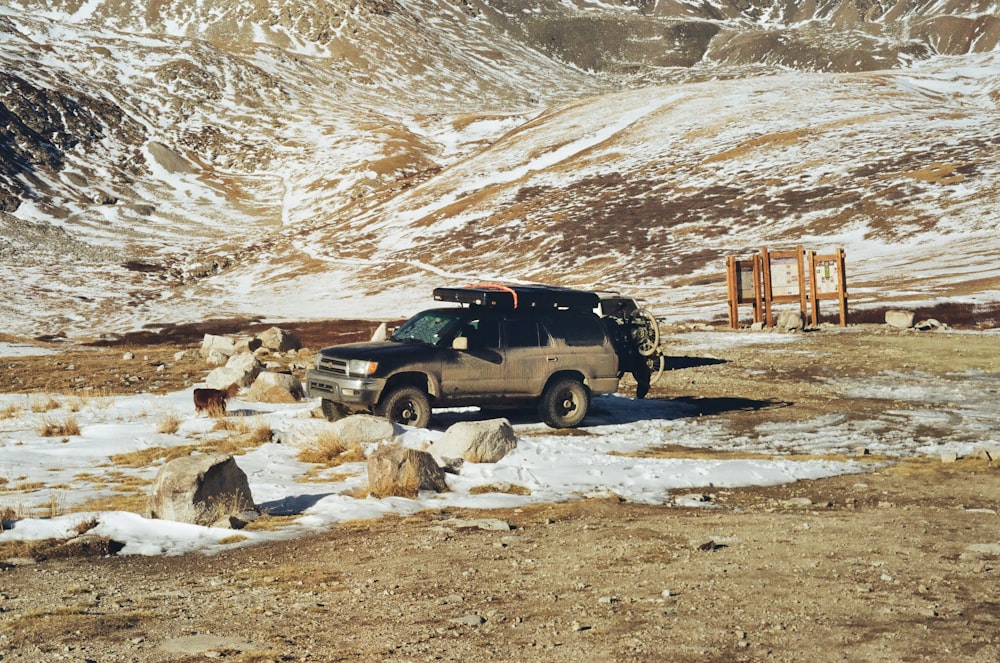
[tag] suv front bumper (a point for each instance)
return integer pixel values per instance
(341, 389)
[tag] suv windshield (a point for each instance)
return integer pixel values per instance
(429, 327)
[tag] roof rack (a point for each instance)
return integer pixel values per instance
(519, 297)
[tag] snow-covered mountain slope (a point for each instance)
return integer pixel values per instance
(174, 161)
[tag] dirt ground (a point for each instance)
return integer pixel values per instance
(896, 564)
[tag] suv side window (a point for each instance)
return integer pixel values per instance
(576, 329)
(524, 334)
(482, 333)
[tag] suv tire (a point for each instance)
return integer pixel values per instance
(405, 405)
(564, 403)
(333, 411)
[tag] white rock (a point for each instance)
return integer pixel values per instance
(220, 344)
(790, 321)
(476, 441)
(899, 319)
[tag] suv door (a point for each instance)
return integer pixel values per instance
(479, 370)
(531, 356)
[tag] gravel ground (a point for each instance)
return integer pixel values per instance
(896, 564)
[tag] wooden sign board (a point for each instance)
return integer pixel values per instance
(784, 276)
(828, 281)
(743, 277)
(784, 279)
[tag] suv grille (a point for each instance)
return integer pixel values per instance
(334, 365)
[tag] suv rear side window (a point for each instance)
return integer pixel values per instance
(524, 334)
(577, 329)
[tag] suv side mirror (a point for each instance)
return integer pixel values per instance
(460, 343)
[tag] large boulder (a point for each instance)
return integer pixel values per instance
(475, 441)
(247, 344)
(241, 369)
(223, 377)
(899, 319)
(276, 339)
(273, 387)
(363, 429)
(217, 349)
(246, 362)
(394, 470)
(204, 489)
(790, 321)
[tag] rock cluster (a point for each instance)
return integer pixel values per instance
(237, 362)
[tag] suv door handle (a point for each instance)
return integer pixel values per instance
(552, 358)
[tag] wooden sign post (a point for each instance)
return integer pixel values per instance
(827, 280)
(784, 279)
(743, 277)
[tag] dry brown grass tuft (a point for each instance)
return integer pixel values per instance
(319, 474)
(269, 523)
(43, 403)
(54, 506)
(9, 411)
(56, 428)
(152, 455)
(330, 451)
(134, 502)
(168, 424)
(505, 488)
(246, 435)
(9, 514)
(406, 485)
(359, 493)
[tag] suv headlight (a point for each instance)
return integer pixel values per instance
(361, 367)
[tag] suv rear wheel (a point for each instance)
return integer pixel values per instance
(405, 405)
(564, 403)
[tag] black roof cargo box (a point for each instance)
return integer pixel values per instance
(519, 296)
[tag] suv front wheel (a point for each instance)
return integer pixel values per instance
(333, 411)
(405, 405)
(564, 403)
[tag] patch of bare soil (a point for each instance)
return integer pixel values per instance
(897, 564)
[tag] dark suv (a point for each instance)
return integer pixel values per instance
(506, 346)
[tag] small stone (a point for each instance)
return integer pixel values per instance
(950, 457)
(469, 620)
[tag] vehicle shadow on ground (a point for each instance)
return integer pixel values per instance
(617, 410)
(612, 410)
(673, 363)
(293, 505)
